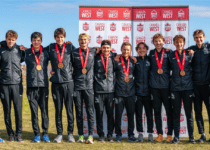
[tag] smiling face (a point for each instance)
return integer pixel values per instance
(199, 39)
(106, 50)
(179, 44)
(158, 43)
(60, 39)
(36, 42)
(83, 42)
(126, 51)
(142, 50)
(10, 41)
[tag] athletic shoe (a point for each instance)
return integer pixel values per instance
(89, 140)
(140, 137)
(101, 139)
(168, 138)
(150, 137)
(202, 139)
(192, 140)
(46, 139)
(1, 140)
(11, 138)
(58, 139)
(19, 139)
(71, 138)
(118, 139)
(81, 139)
(132, 139)
(175, 140)
(109, 138)
(36, 139)
(159, 138)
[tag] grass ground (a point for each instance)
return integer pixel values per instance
(28, 135)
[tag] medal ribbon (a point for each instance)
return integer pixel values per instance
(37, 59)
(60, 57)
(159, 64)
(181, 66)
(126, 71)
(107, 62)
(84, 64)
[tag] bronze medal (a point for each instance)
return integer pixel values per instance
(60, 65)
(182, 73)
(38, 67)
(160, 71)
(126, 79)
(84, 71)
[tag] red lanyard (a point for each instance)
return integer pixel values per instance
(159, 64)
(84, 64)
(37, 59)
(60, 57)
(126, 71)
(181, 66)
(107, 62)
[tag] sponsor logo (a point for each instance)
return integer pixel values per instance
(126, 14)
(143, 117)
(154, 14)
(140, 14)
(182, 105)
(168, 40)
(113, 13)
(99, 39)
(154, 27)
(126, 39)
(166, 130)
(183, 130)
(113, 39)
(85, 130)
(99, 13)
(167, 14)
(126, 27)
(140, 39)
(86, 14)
(167, 27)
(99, 26)
(125, 118)
(113, 27)
(181, 14)
(85, 117)
(181, 117)
(85, 26)
(154, 130)
(164, 117)
(140, 27)
(113, 50)
(124, 130)
(181, 26)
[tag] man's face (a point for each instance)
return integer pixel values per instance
(199, 39)
(158, 43)
(60, 39)
(83, 41)
(106, 49)
(10, 41)
(142, 50)
(36, 42)
(179, 44)
(126, 50)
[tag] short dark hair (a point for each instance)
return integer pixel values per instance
(35, 35)
(145, 45)
(105, 42)
(11, 33)
(177, 37)
(198, 32)
(59, 31)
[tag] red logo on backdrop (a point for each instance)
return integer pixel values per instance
(140, 27)
(181, 26)
(95, 129)
(125, 118)
(140, 39)
(152, 40)
(113, 39)
(127, 14)
(126, 39)
(113, 13)
(181, 117)
(167, 14)
(183, 130)
(99, 26)
(154, 27)
(84, 116)
(99, 39)
(140, 14)
(99, 13)
(167, 27)
(113, 27)
(84, 104)
(89, 39)
(154, 130)
(86, 14)
(153, 117)
(164, 117)
(113, 50)
(154, 14)
(166, 130)
(181, 14)
(124, 130)
(182, 105)
(168, 40)
(126, 27)
(85, 26)
(143, 117)
(85, 130)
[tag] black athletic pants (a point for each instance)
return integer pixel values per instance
(129, 104)
(201, 94)
(12, 92)
(38, 96)
(162, 96)
(88, 97)
(104, 100)
(147, 103)
(176, 99)
(63, 92)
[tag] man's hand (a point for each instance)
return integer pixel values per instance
(191, 52)
(117, 58)
(97, 49)
(52, 73)
(68, 42)
(22, 48)
(134, 59)
(168, 49)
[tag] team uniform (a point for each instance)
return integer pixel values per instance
(11, 87)
(37, 88)
(181, 86)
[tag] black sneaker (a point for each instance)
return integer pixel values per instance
(175, 140)
(19, 139)
(101, 139)
(132, 139)
(109, 138)
(11, 138)
(118, 139)
(192, 140)
(202, 139)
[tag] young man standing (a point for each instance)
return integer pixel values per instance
(36, 59)
(11, 83)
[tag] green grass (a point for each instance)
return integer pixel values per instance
(28, 134)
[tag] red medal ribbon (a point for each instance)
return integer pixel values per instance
(126, 71)
(37, 59)
(107, 62)
(159, 64)
(84, 64)
(60, 57)
(181, 66)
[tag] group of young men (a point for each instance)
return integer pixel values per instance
(104, 79)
